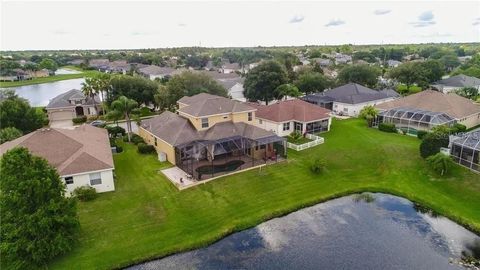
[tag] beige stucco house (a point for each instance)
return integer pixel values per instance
(63, 108)
(82, 156)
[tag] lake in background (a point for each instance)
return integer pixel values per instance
(40, 94)
(388, 233)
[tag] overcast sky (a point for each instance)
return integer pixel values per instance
(120, 24)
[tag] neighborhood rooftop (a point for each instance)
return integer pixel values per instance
(434, 101)
(63, 100)
(205, 104)
(291, 110)
(80, 150)
(459, 81)
(353, 93)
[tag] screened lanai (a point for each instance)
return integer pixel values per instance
(205, 159)
(465, 150)
(410, 120)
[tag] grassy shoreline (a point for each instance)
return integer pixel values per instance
(49, 79)
(148, 218)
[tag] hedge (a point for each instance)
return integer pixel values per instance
(146, 148)
(80, 119)
(387, 127)
(85, 193)
(421, 134)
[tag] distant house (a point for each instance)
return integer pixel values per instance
(99, 64)
(209, 66)
(393, 63)
(119, 66)
(38, 73)
(456, 82)
(211, 135)
(323, 62)
(285, 117)
(350, 99)
(230, 67)
(14, 75)
(464, 59)
(64, 107)
(429, 108)
(342, 59)
(82, 156)
(153, 72)
(232, 82)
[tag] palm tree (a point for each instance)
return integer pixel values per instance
(89, 90)
(125, 106)
(369, 113)
(440, 162)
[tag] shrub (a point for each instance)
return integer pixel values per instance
(115, 131)
(387, 127)
(458, 128)
(80, 119)
(296, 136)
(85, 193)
(145, 111)
(421, 134)
(119, 149)
(146, 148)
(92, 118)
(440, 163)
(431, 144)
(318, 166)
(8, 134)
(136, 139)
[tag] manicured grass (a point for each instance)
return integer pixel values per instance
(54, 78)
(147, 217)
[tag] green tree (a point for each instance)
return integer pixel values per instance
(125, 106)
(434, 70)
(287, 90)
(410, 73)
(312, 82)
(432, 142)
(140, 89)
(49, 64)
(16, 112)
(440, 163)
(9, 133)
(369, 113)
(361, 74)
(38, 221)
(89, 89)
(468, 92)
(31, 67)
(261, 81)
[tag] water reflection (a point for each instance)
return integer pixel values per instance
(384, 233)
(40, 94)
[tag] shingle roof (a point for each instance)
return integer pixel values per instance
(83, 149)
(291, 110)
(176, 130)
(434, 101)
(156, 70)
(204, 104)
(353, 93)
(459, 81)
(62, 100)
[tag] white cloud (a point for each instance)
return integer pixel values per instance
(297, 19)
(335, 23)
(382, 11)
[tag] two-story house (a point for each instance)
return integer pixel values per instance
(210, 135)
(64, 107)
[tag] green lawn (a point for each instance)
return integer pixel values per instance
(49, 79)
(147, 217)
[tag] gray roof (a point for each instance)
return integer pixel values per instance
(353, 93)
(231, 66)
(62, 100)
(176, 130)
(156, 70)
(204, 104)
(459, 81)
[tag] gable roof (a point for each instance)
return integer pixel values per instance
(156, 70)
(62, 100)
(353, 93)
(83, 149)
(434, 101)
(459, 81)
(291, 110)
(176, 130)
(204, 104)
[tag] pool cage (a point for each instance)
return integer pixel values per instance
(411, 120)
(205, 159)
(465, 150)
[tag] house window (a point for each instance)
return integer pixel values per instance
(250, 116)
(260, 121)
(225, 117)
(286, 126)
(345, 109)
(69, 180)
(263, 146)
(155, 141)
(95, 179)
(204, 122)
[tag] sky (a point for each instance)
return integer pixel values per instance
(153, 24)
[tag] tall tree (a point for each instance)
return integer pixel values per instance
(9, 133)
(287, 90)
(361, 74)
(261, 81)
(410, 73)
(38, 221)
(137, 88)
(369, 113)
(124, 106)
(89, 89)
(17, 112)
(312, 82)
(49, 64)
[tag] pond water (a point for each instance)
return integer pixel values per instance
(40, 94)
(66, 71)
(386, 233)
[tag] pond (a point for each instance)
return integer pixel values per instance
(40, 94)
(380, 232)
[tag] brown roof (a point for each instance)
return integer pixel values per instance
(289, 110)
(176, 130)
(83, 149)
(434, 101)
(204, 104)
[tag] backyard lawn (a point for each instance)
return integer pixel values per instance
(147, 217)
(48, 79)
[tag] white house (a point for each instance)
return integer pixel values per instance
(82, 156)
(350, 99)
(285, 117)
(456, 82)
